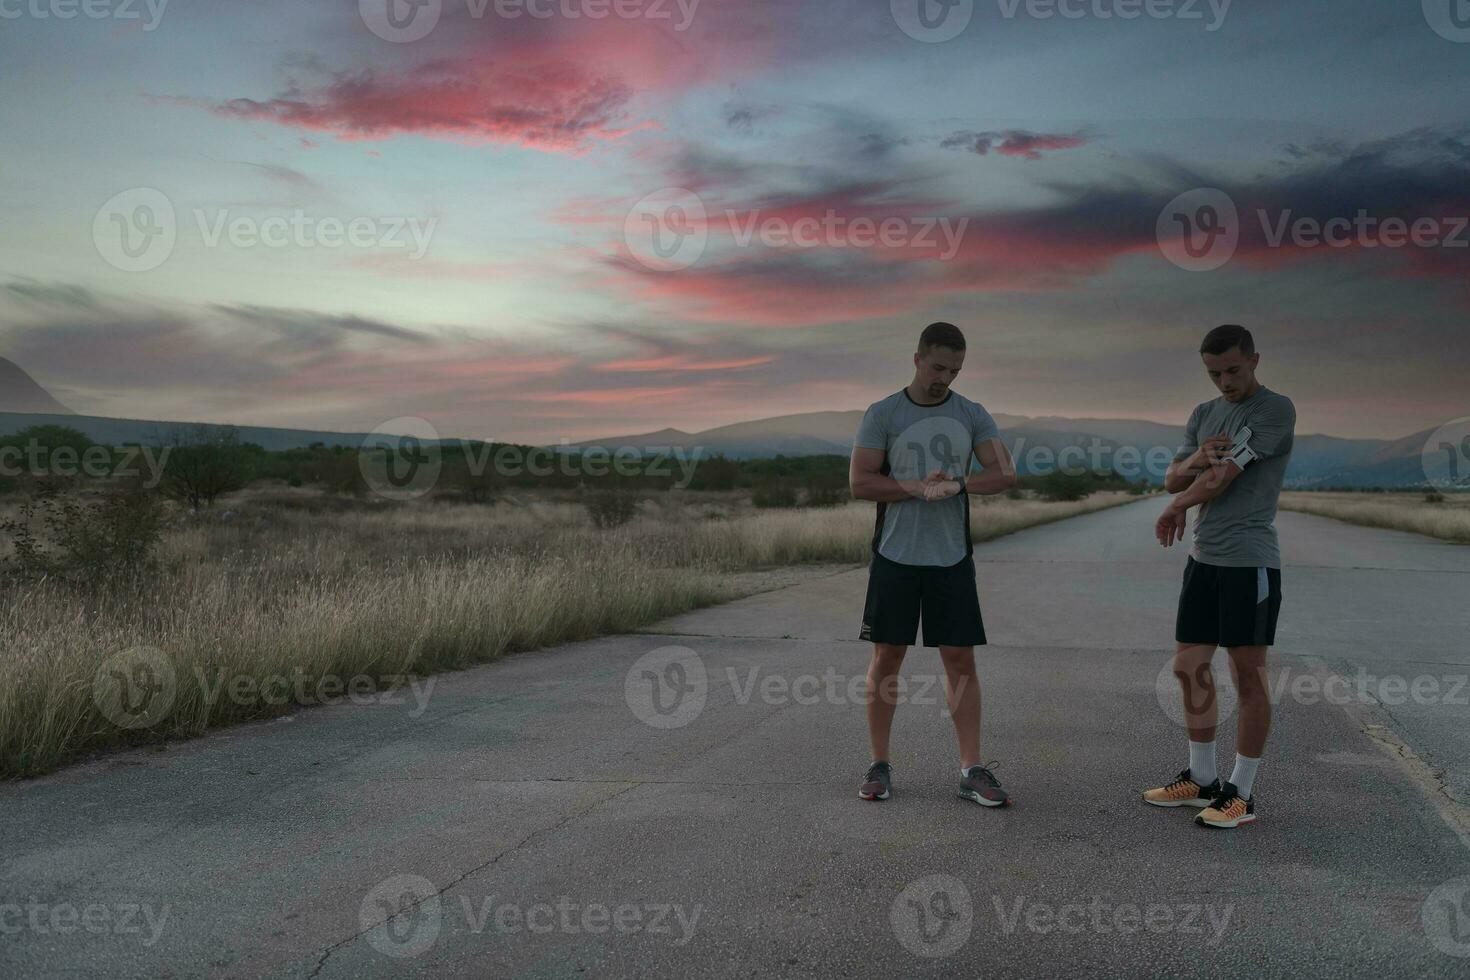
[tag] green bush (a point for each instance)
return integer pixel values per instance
(774, 494)
(59, 536)
(1065, 486)
(611, 508)
(819, 496)
(203, 463)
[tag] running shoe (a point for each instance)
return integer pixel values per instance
(878, 783)
(980, 785)
(1227, 809)
(1183, 791)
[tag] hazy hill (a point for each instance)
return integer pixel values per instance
(19, 392)
(115, 432)
(1317, 460)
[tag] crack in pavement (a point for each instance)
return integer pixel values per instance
(636, 782)
(632, 785)
(327, 953)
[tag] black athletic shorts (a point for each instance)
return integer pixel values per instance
(1228, 607)
(945, 594)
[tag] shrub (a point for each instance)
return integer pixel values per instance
(1064, 486)
(611, 508)
(204, 463)
(1434, 497)
(715, 473)
(819, 496)
(774, 494)
(85, 542)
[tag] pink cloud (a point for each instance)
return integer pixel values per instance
(1013, 143)
(610, 397)
(550, 84)
(681, 362)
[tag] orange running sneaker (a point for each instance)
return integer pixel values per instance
(1183, 791)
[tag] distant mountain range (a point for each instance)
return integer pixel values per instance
(1036, 443)
(19, 392)
(147, 432)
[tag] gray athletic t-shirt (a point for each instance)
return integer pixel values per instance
(919, 439)
(1237, 529)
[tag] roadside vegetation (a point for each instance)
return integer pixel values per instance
(1439, 515)
(239, 589)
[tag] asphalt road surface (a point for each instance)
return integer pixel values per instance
(682, 802)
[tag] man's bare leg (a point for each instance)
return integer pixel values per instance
(962, 693)
(1197, 685)
(1194, 787)
(881, 693)
(1248, 670)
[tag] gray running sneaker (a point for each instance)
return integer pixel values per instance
(878, 783)
(980, 785)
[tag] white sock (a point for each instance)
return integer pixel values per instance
(1244, 776)
(1202, 762)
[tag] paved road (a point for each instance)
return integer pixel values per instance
(525, 818)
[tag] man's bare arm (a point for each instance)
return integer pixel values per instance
(1182, 473)
(1205, 487)
(867, 482)
(999, 472)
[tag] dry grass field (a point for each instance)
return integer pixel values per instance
(1448, 519)
(250, 613)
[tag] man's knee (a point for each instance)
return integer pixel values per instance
(1189, 657)
(1248, 669)
(888, 657)
(961, 658)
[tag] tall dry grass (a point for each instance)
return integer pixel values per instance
(1448, 519)
(385, 592)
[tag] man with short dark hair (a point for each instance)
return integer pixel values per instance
(913, 455)
(1232, 465)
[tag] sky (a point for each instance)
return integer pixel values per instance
(544, 220)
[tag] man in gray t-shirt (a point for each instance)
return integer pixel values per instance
(917, 440)
(1231, 467)
(913, 456)
(1237, 528)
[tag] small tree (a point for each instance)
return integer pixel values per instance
(205, 462)
(715, 473)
